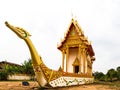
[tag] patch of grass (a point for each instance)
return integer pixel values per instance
(115, 84)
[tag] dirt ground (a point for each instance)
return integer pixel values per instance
(17, 85)
(88, 87)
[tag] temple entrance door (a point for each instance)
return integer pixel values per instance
(76, 69)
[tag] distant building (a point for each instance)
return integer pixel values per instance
(4, 63)
(18, 76)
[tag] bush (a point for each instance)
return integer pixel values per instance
(3, 76)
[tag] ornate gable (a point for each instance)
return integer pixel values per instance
(76, 62)
(75, 36)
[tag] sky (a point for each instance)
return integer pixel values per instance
(48, 20)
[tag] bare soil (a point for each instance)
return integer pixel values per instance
(88, 87)
(33, 85)
(17, 85)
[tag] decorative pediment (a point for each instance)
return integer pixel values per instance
(76, 62)
(75, 37)
(74, 32)
(60, 69)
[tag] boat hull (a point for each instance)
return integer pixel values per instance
(69, 81)
(49, 78)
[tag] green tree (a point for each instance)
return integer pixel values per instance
(3, 75)
(27, 67)
(9, 69)
(99, 76)
(111, 74)
(118, 73)
(13, 69)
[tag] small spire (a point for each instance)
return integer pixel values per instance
(75, 18)
(89, 42)
(72, 14)
(61, 39)
(60, 69)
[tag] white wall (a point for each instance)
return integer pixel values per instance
(19, 77)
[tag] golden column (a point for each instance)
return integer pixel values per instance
(84, 60)
(89, 64)
(79, 57)
(86, 68)
(63, 58)
(91, 68)
(67, 55)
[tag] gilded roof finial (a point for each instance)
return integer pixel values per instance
(73, 16)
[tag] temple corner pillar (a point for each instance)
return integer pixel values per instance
(67, 54)
(79, 56)
(63, 58)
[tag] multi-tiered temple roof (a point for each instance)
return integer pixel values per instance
(74, 29)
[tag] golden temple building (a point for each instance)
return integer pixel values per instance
(77, 51)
